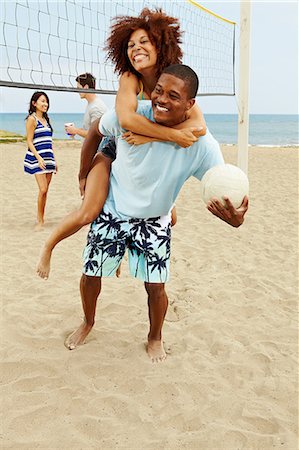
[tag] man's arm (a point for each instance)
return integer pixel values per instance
(228, 213)
(211, 156)
(89, 149)
(196, 119)
(72, 130)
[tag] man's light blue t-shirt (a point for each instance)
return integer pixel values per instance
(146, 179)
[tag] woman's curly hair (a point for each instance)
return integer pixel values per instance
(163, 31)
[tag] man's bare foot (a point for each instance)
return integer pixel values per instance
(43, 267)
(39, 226)
(155, 351)
(78, 336)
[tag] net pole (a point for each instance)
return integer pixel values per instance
(243, 116)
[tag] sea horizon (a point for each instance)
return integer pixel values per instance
(266, 130)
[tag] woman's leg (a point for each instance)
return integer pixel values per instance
(43, 180)
(49, 178)
(96, 191)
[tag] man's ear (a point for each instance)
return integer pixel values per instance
(190, 103)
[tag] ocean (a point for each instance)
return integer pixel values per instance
(264, 129)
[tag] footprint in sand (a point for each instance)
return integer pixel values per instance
(173, 314)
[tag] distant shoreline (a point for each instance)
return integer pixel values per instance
(273, 130)
(7, 137)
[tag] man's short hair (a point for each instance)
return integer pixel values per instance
(86, 78)
(186, 74)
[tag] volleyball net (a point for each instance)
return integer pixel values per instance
(45, 44)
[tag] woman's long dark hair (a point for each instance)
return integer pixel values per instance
(32, 108)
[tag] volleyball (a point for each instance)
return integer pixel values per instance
(225, 180)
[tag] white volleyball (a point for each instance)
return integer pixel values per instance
(225, 180)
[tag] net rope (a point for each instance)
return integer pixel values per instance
(46, 44)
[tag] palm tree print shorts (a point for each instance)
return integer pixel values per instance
(147, 241)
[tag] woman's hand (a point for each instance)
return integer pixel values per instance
(136, 139)
(187, 136)
(184, 138)
(41, 163)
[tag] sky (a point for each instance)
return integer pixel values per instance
(273, 65)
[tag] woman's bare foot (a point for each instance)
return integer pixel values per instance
(155, 351)
(39, 226)
(78, 336)
(43, 267)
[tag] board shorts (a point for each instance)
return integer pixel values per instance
(147, 241)
(108, 147)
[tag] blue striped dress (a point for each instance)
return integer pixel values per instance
(42, 141)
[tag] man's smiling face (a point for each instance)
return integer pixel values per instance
(170, 100)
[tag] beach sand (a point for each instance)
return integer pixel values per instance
(230, 378)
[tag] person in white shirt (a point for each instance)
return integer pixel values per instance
(95, 106)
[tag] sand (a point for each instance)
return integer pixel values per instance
(230, 378)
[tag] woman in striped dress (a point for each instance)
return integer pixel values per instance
(39, 159)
